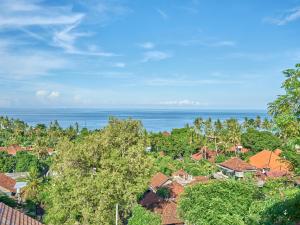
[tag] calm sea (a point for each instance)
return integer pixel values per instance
(152, 119)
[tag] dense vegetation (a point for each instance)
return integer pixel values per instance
(92, 171)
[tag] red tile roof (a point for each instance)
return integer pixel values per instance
(7, 183)
(277, 151)
(158, 180)
(13, 149)
(197, 156)
(11, 216)
(237, 164)
(269, 160)
(176, 189)
(169, 214)
(277, 173)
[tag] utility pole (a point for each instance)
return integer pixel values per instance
(117, 216)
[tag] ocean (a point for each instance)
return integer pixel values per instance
(152, 119)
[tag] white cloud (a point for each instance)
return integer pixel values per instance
(155, 56)
(163, 14)
(54, 94)
(184, 102)
(289, 16)
(147, 45)
(26, 65)
(41, 93)
(119, 64)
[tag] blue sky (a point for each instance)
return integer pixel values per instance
(159, 53)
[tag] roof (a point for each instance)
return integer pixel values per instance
(13, 149)
(277, 151)
(12, 216)
(197, 156)
(199, 179)
(7, 182)
(150, 200)
(267, 159)
(241, 149)
(176, 189)
(237, 164)
(169, 214)
(180, 173)
(158, 180)
(297, 180)
(276, 173)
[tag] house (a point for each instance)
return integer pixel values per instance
(297, 181)
(268, 161)
(199, 179)
(176, 190)
(159, 180)
(236, 167)
(7, 185)
(205, 153)
(169, 214)
(12, 216)
(197, 156)
(182, 177)
(13, 149)
(238, 149)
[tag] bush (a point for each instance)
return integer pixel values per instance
(141, 216)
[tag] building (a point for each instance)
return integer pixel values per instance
(238, 149)
(10, 187)
(13, 149)
(12, 216)
(182, 177)
(236, 167)
(159, 180)
(205, 153)
(7, 185)
(169, 214)
(269, 161)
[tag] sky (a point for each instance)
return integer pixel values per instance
(161, 53)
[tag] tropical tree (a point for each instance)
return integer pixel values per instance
(106, 168)
(286, 108)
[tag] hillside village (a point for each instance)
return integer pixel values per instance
(210, 172)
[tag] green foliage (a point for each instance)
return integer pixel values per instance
(181, 142)
(7, 163)
(168, 165)
(163, 192)
(105, 168)
(259, 140)
(286, 108)
(25, 161)
(219, 202)
(7, 200)
(141, 216)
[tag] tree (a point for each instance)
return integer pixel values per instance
(259, 140)
(142, 216)
(217, 202)
(106, 168)
(286, 108)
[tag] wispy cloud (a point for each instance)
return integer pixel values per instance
(162, 13)
(147, 45)
(184, 102)
(183, 81)
(119, 64)
(156, 56)
(285, 18)
(205, 43)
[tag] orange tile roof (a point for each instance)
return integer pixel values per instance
(268, 160)
(12, 216)
(158, 180)
(7, 182)
(169, 214)
(13, 149)
(237, 164)
(197, 156)
(277, 151)
(176, 189)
